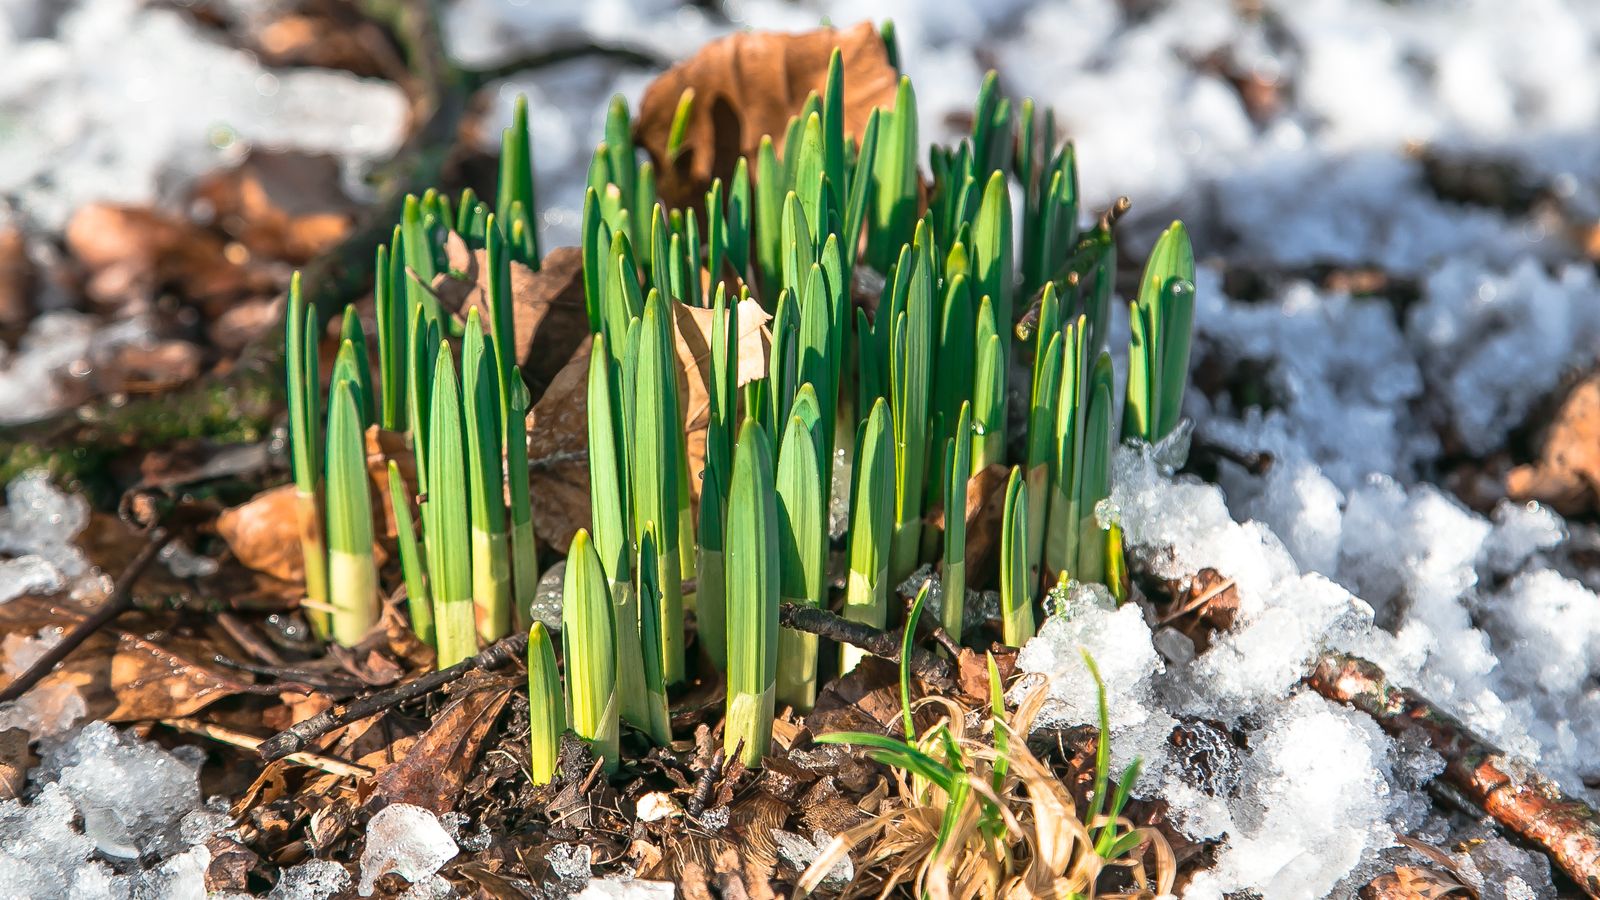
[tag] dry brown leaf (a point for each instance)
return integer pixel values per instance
(131, 252)
(433, 771)
(984, 503)
(865, 699)
(1566, 475)
(328, 37)
(280, 204)
(16, 759)
(972, 671)
(1413, 883)
(264, 531)
(695, 326)
(124, 676)
(549, 320)
(558, 442)
(158, 367)
(748, 85)
(558, 425)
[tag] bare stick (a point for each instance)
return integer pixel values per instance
(120, 601)
(1522, 800)
(330, 764)
(876, 641)
(296, 738)
(626, 54)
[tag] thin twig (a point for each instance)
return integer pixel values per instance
(875, 641)
(330, 764)
(628, 54)
(120, 601)
(1521, 799)
(297, 737)
(704, 784)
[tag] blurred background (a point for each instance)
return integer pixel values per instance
(1396, 204)
(1294, 137)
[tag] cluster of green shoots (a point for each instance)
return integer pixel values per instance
(905, 399)
(475, 559)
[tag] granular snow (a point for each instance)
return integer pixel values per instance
(105, 796)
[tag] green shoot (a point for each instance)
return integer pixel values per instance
(752, 571)
(802, 546)
(412, 565)
(491, 548)
(871, 508)
(588, 638)
(656, 722)
(305, 445)
(352, 576)
(546, 706)
(957, 472)
(444, 517)
(1016, 591)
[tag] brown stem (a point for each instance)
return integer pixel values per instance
(120, 601)
(627, 54)
(1522, 800)
(296, 738)
(876, 641)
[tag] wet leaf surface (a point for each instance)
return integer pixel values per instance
(143, 667)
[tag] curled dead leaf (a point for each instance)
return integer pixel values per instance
(1566, 476)
(1413, 883)
(264, 531)
(558, 441)
(748, 85)
(984, 503)
(433, 771)
(972, 672)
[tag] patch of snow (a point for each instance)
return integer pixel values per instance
(407, 840)
(105, 795)
(98, 71)
(52, 706)
(619, 888)
(314, 879)
(800, 852)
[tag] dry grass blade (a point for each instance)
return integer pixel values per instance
(1017, 833)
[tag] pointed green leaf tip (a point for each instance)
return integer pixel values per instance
(546, 706)
(1016, 597)
(871, 527)
(1162, 317)
(586, 627)
(802, 545)
(680, 124)
(752, 583)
